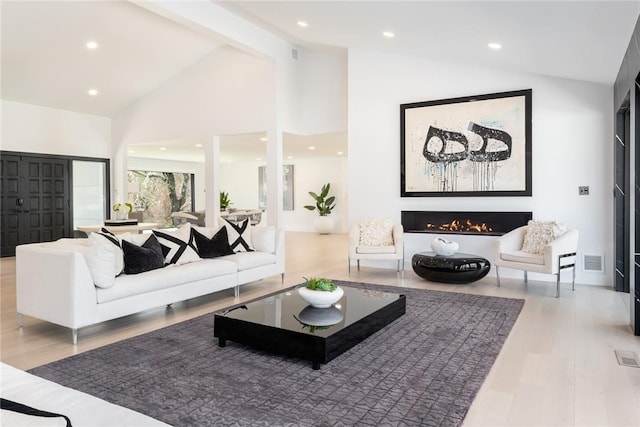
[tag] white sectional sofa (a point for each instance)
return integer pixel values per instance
(53, 281)
(82, 409)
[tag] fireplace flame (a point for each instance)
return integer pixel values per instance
(465, 226)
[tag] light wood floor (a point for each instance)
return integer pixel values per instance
(557, 367)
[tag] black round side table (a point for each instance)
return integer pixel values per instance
(456, 268)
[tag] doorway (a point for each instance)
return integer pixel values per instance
(35, 200)
(635, 284)
(622, 197)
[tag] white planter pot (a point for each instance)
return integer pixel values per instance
(314, 316)
(444, 247)
(320, 299)
(324, 224)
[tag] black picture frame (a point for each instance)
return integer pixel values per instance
(467, 147)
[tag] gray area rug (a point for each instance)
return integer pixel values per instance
(424, 369)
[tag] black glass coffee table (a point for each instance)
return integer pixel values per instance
(285, 324)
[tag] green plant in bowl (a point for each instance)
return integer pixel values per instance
(319, 284)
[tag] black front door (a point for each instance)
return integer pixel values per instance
(36, 193)
(622, 204)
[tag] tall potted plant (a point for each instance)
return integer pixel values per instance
(324, 205)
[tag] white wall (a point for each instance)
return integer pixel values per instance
(228, 92)
(135, 163)
(240, 179)
(34, 129)
(572, 128)
(323, 92)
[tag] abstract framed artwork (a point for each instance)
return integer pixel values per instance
(470, 146)
(287, 187)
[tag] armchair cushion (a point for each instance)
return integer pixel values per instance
(375, 249)
(376, 232)
(524, 257)
(539, 234)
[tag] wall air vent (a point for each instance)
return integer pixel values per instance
(593, 263)
(627, 358)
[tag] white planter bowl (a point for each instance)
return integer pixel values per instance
(320, 299)
(444, 247)
(320, 316)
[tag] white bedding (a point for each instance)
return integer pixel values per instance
(81, 408)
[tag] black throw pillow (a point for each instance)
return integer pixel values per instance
(138, 259)
(217, 246)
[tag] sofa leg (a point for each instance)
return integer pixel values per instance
(349, 266)
(236, 291)
(20, 320)
(573, 281)
(526, 279)
(282, 278)
(74, 336)
(169, 306)
(358, 263)
(498, 275)
(558, 285)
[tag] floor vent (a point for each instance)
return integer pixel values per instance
(593, 263)
(628, 358)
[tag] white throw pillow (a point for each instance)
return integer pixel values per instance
(239, 235)
(103, 237)
(539, 234)
(209, 232)
(264, 239)
(376, 232)
(178, 246)
(137, 239)
(100, 258)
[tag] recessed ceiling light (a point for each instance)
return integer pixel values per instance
(131, 151)
(495, 46)
(289, 157)
(312, 148)
(92, 92)
(263, 139)
(91, 45)
(258, 159)
(388, 34)
(163, 148)
(303, 24)
(340, 153)
(198, 145)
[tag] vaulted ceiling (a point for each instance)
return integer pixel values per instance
(45, 61)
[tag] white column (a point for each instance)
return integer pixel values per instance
(212, 181)
(274, 177)
(119, 170)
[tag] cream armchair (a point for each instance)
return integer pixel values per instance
(556, 255)
(363, 249)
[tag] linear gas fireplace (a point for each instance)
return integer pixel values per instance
(459, 222)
